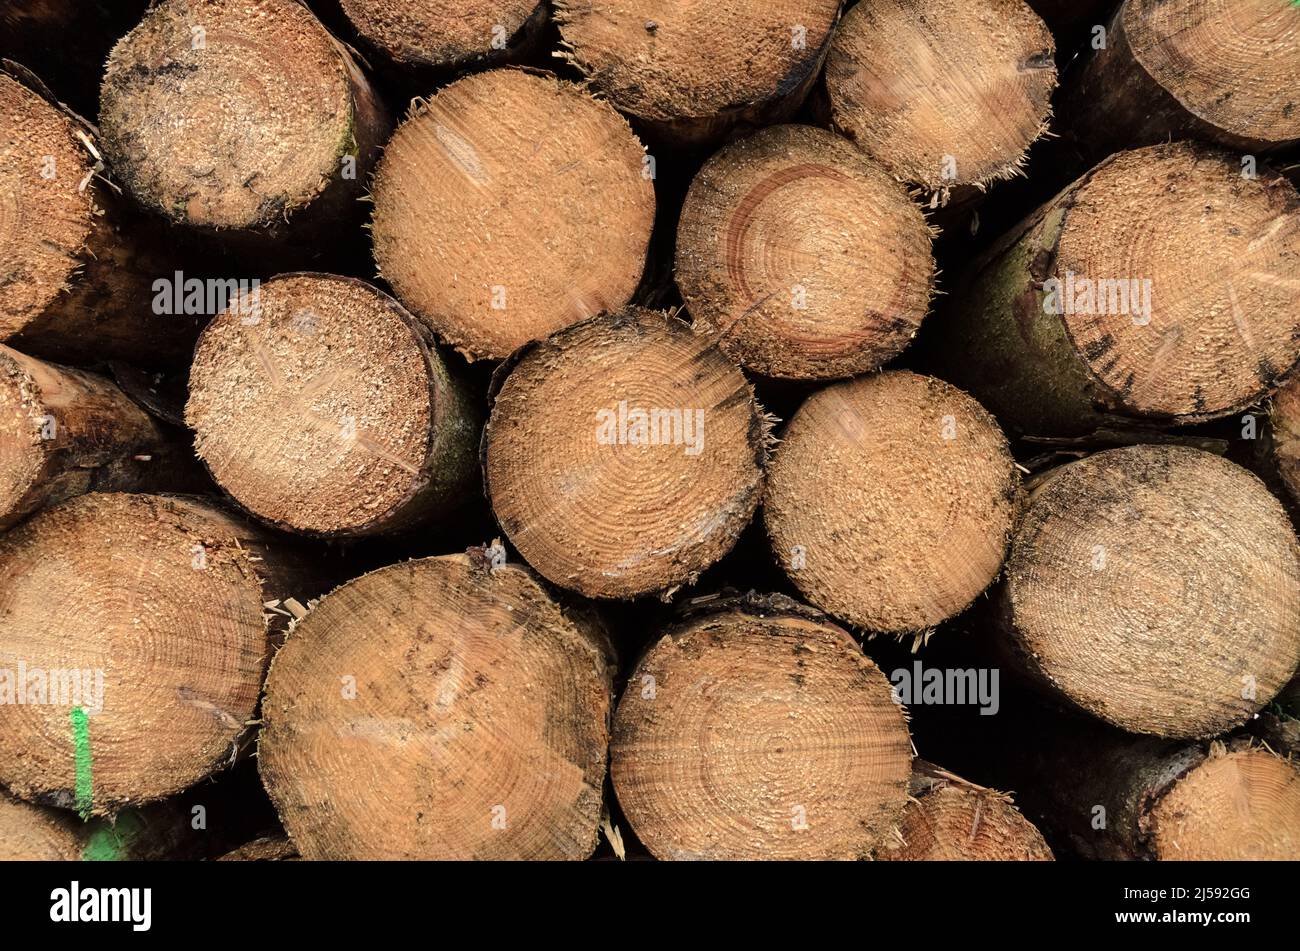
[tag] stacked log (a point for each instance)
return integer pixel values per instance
(510, 205)
(493, 747)
(1158, 289)
(666, 439)
(36, 833)
(757, 730)
(65, 431)
(330, 410)
(951, 820)
(802, 256)
(891, 500)
(693, 73)
(134, 638)
(1136, 563)
(1216, 70)
(1101, 794)
(239, 117)
(946, 95)
(442, 34)
(78, 266)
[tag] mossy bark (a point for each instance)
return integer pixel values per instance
(1008, 350)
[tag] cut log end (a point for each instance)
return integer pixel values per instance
(510, 205)
(327, 411)
(1230, 63)
(890, 501)
(146, 613)
(440, 32)
(684, 67)
(759, 736)
(493, 748)
(31, 833)
(956, 822)
(1158, 588)
(1160, 286)
(943, 93)
(625, 455)
(1243, 805)
(228, 114)
(803, 257)
(1204, 259)
(47, 206)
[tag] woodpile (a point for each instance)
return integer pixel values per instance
(160, 831)
(271, 848)
(648, 429)
(1284, 424)
(36, 834)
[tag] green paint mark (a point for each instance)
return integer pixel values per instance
(102, 846)
(107, 842)
(81, 745)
